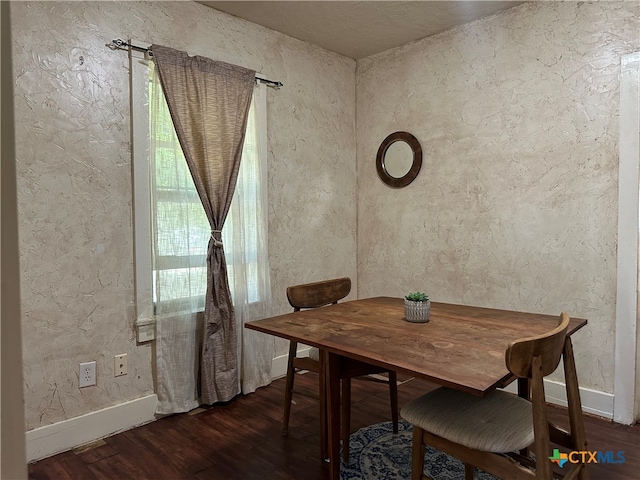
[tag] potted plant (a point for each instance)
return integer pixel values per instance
(417, 307)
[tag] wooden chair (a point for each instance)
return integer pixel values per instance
(487, 432)
(315, 295)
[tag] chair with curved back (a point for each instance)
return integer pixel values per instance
(316, 295)
(487, 432)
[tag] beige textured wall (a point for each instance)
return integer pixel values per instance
(73, 155)
(516, 203)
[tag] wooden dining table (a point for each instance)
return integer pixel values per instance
(461, 347)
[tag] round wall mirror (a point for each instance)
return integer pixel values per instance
(399, 159)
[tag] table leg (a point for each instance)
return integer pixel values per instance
(323, 405)
(333, 407)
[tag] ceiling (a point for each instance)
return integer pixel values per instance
(363, 28)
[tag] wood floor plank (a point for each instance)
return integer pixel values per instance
(64, 466)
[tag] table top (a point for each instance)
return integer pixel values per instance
(462, 346)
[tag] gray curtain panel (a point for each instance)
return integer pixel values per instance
(209, 103)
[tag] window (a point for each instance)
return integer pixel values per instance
(180, 229)
(171, 228)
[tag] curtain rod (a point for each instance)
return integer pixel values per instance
(120, 44)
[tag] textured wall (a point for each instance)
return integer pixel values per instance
(73, 152)
(516, 203)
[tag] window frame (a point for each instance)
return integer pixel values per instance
(141, 202)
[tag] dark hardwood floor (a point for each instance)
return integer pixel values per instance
(242, 440)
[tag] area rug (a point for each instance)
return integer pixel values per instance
(376, 453)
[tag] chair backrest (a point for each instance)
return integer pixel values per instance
(548, 346)
(318, 294)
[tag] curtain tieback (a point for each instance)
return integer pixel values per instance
(216, 242)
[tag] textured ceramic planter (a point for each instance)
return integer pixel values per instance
(417, 312)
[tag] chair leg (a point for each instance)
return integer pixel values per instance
(345, 416)
(468, 471)
(576, 421)
(288, 389)
(393, 399)
(541, 434)
(417, 454)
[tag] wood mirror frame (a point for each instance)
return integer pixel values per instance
(407, 178)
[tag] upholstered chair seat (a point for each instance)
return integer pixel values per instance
(499, 422)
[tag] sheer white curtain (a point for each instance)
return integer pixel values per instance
(180, 236)
(245, 239)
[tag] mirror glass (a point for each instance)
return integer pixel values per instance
(398, 159)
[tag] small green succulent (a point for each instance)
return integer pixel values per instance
(417, 297)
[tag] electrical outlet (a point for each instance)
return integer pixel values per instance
(120, 365)
(87, 376)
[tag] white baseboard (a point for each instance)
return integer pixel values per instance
(279, 363)
(62, 436)
(593, 401)
(279, 366)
